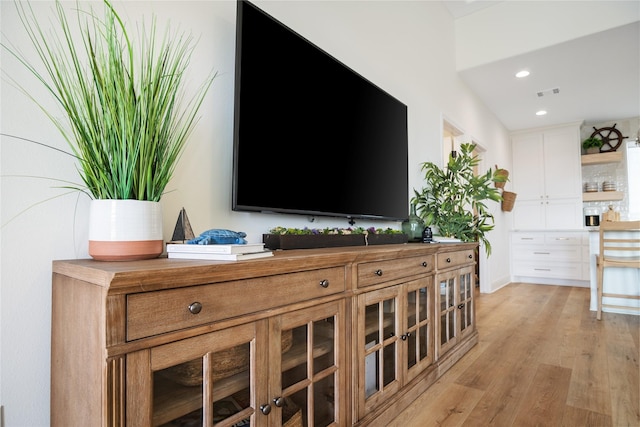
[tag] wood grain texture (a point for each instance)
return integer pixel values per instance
(115, 325)
(75, 364)
(133, 276)
(546, 396)
(448, 408)
(544, 360)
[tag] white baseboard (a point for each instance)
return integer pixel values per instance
(496, 285)
(556, 282)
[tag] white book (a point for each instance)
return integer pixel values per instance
(440, 239)
(215, 249)
(219, 257)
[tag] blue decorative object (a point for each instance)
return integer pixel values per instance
(219, 237)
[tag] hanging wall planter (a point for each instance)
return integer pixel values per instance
(508, 200)
(501, 177)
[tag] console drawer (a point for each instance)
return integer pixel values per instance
(454, 259)
(371, 273)
(158, 312)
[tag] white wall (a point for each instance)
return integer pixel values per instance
(407, 48)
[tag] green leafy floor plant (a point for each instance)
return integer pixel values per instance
(454, 199)
(125, 117)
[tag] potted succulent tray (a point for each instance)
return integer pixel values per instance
(288, 238)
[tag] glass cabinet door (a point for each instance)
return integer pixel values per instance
(418, 331)
(378, 341)
(465, 304)
(447, 306)
(205, 380)
(309, 360)
(281, 371)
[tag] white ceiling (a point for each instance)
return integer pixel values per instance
(598, 77)
(460, 8)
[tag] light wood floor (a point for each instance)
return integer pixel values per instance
(543, 360)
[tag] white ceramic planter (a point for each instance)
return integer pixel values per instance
(125, 230)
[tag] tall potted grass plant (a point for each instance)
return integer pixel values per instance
(126, 120)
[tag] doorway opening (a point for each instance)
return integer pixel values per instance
(452, 137)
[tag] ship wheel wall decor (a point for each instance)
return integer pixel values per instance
(610, 136)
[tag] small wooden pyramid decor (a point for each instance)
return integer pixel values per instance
(183, 231)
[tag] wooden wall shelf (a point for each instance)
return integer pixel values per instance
(596, 159)
(601, 196)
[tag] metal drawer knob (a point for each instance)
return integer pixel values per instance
(195, 307)
(265, 409)
(378, 273)
(424, 263)
(448, 259)
(470, 256)
(279, 402)
(324, 283)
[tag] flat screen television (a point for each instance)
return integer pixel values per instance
(311, 136)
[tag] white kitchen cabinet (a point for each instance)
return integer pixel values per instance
(547, 178)
(550, 255)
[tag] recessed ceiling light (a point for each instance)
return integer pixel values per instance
(521, 74)
(541, 113)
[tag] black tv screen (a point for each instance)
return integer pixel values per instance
(311, 136)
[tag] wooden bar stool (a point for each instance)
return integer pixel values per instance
(619, 247)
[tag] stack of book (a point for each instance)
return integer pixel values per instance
(218, 252)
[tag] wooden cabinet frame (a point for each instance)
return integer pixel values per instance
(105, 352)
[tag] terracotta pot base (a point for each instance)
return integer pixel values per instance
(125, 251)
